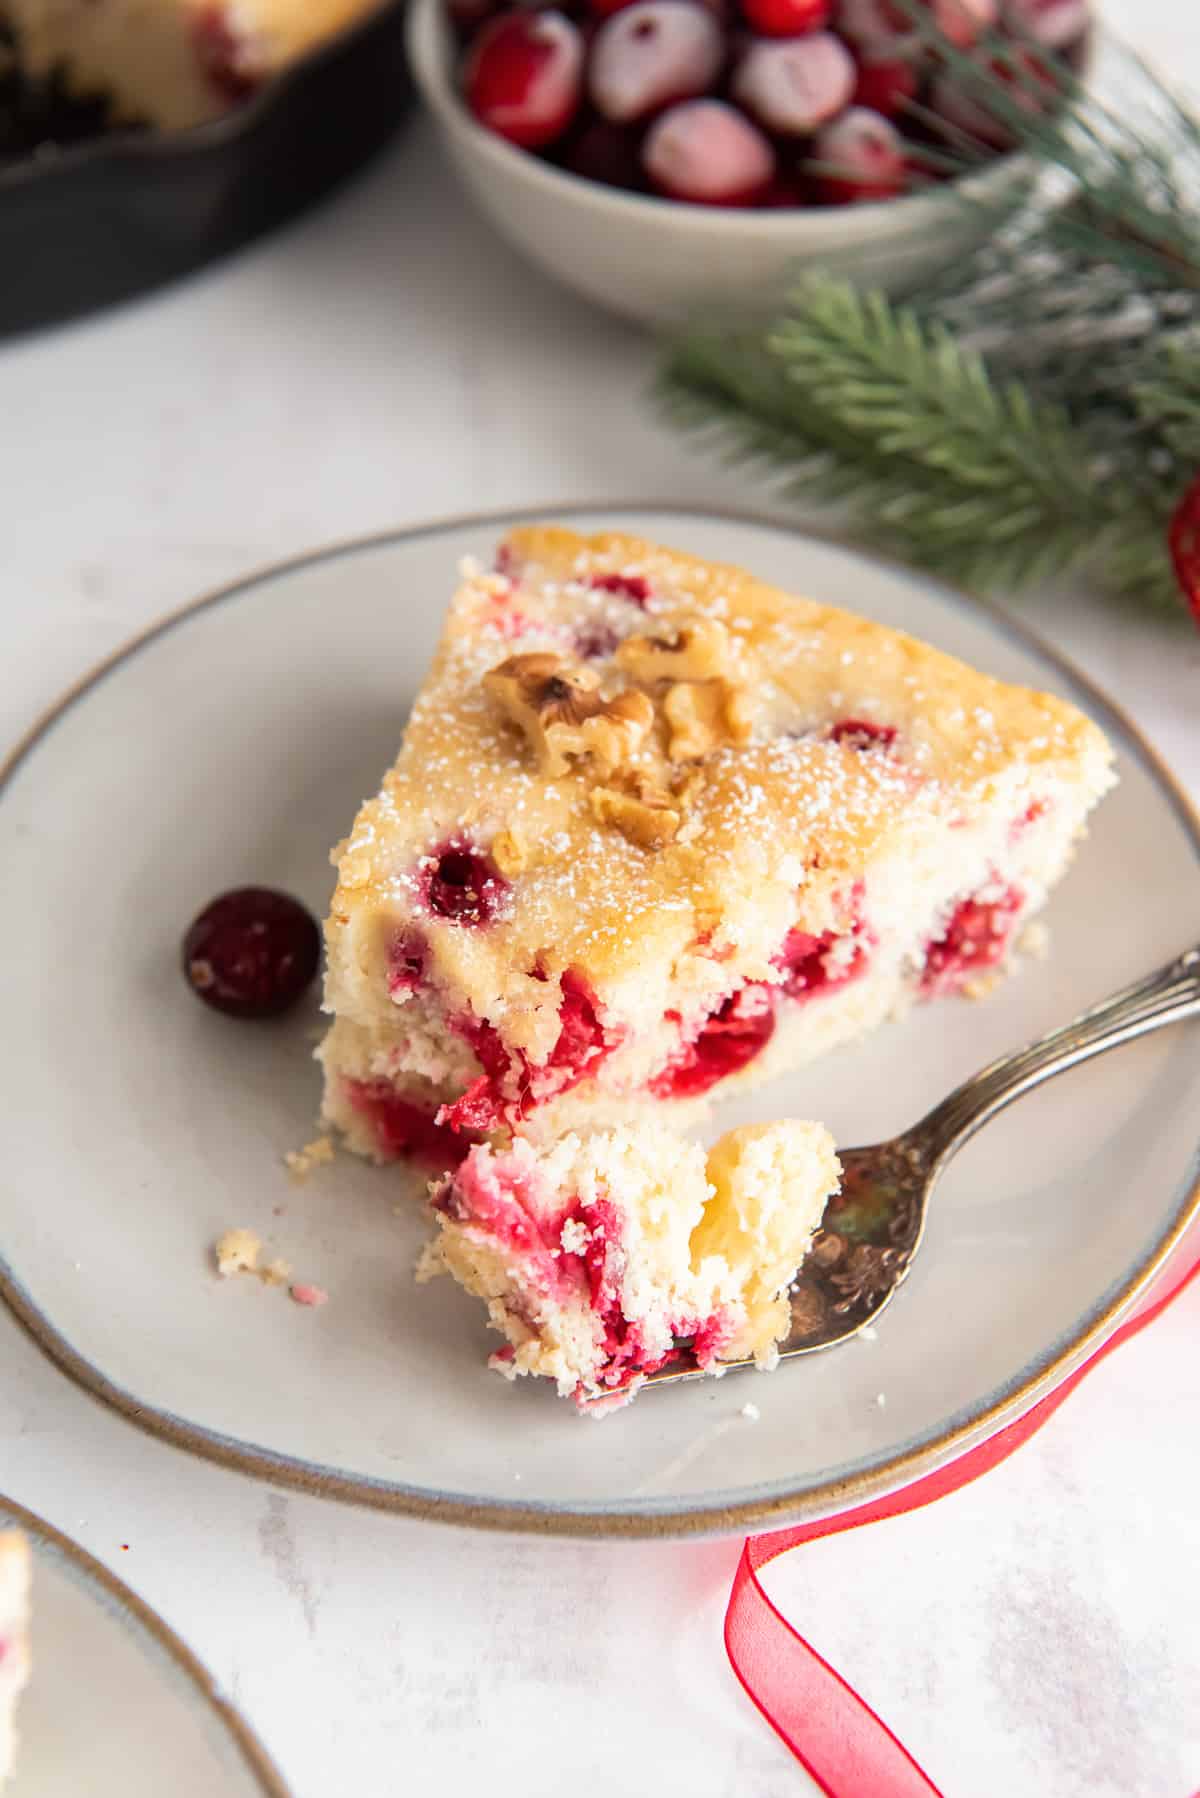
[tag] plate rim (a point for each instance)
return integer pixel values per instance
(135, 1610)
(572, 1519)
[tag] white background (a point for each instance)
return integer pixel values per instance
(386, 361)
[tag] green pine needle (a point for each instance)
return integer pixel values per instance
(1032, 412)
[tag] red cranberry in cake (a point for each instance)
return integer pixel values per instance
(863, 733)
(652, 53)
(400, 1128)
(725, 1043)
(686, 866)
(232, 62)
(462, 884)
(633, 587)
(14, 1640)
(523, 76)
(793, 86)
(860, 156)
(174, 63)
(405, 962)
(707, 151)
(976, 937)
(251, 953)
(611, 1254)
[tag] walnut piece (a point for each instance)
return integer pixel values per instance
(509, 852)
(556, 704)
(643, 812)
(703, 714)
(699, 650)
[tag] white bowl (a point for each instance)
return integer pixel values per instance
(657, 260)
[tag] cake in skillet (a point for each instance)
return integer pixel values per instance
(658, 830)
(14, 1639)
(170, 63)
(614, 1253)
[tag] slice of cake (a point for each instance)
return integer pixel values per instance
(170, 63)
(14, 1639)
(611, 1254)
(656, 829)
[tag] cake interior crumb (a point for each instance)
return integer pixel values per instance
(301, 1162)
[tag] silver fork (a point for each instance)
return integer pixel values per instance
(872, 1229)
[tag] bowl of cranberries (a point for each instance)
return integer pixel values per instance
(665, 155)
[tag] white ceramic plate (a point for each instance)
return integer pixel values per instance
(233, 745)
(117, 1707)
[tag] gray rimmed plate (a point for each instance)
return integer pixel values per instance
(117, 1706)
(232, 745)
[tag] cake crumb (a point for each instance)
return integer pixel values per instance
(275, 1273)
(982, 985)
(237, 1252)
(751, 1413)
(881, 1399)
(1034, 940)
(301, 1162)
(310, 1295)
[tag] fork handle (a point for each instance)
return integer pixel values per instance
(1167, 997)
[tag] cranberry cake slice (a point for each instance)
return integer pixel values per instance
(170, 63)
(14, 1639)
(657, 829)
(609, 1255)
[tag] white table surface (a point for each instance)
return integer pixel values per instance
(382, 362)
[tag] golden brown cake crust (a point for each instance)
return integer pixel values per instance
(772, 809)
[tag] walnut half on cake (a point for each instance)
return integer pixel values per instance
(615, 1253)
(656, 829)
(14, 1640)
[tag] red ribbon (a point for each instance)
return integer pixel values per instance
(847, 1748)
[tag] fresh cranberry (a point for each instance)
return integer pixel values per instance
(786, 18)
(229, 60)
(608, 153)
(791, 87)
(861, 157)
(863, 733)
(524, 75)
(1031, 83)
(634, 587)
(873, 25)
(707, 152)
(405, 961)
(726, 1042)
(463, 885)
(251, 953)
(886, 84)
(975, 938)
(650, 54)
(963, 22)
(1054, 24)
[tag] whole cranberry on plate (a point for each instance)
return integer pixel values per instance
(252, 952)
